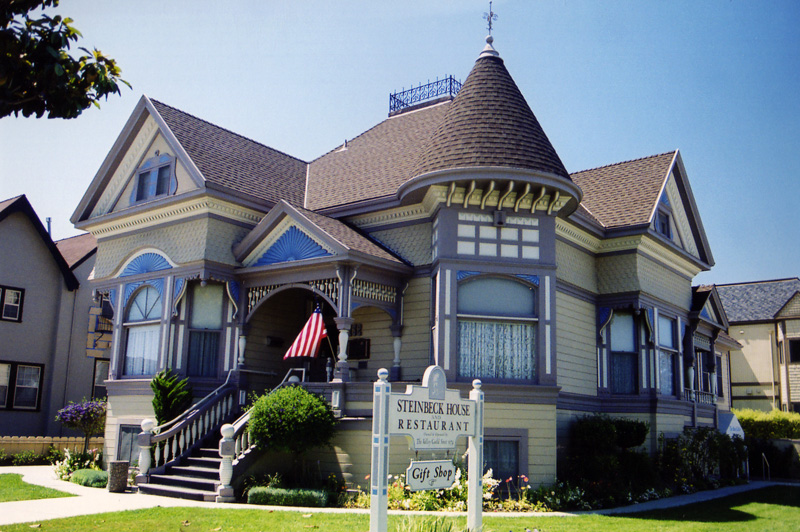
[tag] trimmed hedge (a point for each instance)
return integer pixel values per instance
(287, 497)
(768, 425)
(90, 477)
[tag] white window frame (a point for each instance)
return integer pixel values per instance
(37, 388)
(138, 326)
(5, 291)
(671, 353)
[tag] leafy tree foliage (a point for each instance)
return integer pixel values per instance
(88, 417)
(172, 396)
(37, 73)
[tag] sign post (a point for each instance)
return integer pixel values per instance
(379, 473)
(475, 463)
(432, 417)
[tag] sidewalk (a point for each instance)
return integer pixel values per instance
(96, 500)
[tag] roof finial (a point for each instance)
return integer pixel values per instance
(490, 17)
(489, 50)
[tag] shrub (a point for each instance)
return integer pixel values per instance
(5, 459)
(171, 396)
(287, 497)
(768, 425)
(90, 477)
(54, 455)
(74, 461)
(88, 417)
(630, 432)
(25, 458)
(291, 419)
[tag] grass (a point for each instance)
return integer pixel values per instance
(770, 509)
(12, 488)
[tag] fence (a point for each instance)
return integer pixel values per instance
(40, 444)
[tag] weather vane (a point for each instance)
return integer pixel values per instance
(490, 17)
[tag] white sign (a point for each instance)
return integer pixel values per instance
(430, 475)
(432, 416)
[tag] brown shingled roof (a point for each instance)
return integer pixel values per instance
(490, 124)
(236, 162)
(75, 249)
(375, 163)
(348, 236)
(624, 194)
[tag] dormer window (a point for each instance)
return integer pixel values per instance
(155, 178)
(663, 225)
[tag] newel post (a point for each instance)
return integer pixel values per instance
(145, 444)
(226, 450)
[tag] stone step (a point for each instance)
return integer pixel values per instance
(196, 483)
(177, 492)
(202, 461)
(195, 471)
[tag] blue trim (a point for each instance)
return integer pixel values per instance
(179, 282)
(146, 263)
(292, 245)
(233, 295)
(704, 314)
(533, 279)
(461, 275)
(604, 315)
(130, 288)
(112, 296)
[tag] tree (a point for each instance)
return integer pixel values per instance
(88, 417)
(37, 73)
(171, 396)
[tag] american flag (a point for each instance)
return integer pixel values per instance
(308, 341)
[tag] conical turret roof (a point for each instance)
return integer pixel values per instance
(489, 124)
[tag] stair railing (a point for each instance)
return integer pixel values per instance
(174, 439)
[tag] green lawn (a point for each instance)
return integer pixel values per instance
(770, 509)
(13, 489)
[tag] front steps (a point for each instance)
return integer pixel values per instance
(196, 478)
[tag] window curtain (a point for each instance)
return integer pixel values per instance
(502, 457)
(666, 369)
(203, 348)
(624, 372)
(141, 354)
(496, 349)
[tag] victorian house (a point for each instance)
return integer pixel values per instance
(449, 233)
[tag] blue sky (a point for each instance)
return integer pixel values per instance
(609, 81)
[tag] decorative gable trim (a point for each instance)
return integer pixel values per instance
(146, 261)
(292, 245)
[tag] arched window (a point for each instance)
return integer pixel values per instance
(142, 326)
(496, 329)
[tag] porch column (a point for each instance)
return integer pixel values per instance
(342, 371)
(397, 333)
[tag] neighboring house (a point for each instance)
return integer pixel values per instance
(764, 318)
(43, 325)
(449, 233)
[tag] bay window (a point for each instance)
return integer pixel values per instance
(496, 329)
(143, 327)
(205, 327)
(624, 353)
(667, 352)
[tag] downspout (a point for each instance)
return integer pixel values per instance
(772, 367)
(69, 353)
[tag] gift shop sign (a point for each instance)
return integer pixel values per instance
(430, 475)
(432, 416)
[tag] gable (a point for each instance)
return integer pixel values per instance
(288, 242)
(709, 313)
(154, 152)
(670, 202)
(791, 309)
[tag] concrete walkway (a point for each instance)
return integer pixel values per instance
(95, 501)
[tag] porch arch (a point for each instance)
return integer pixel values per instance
(270, 292)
